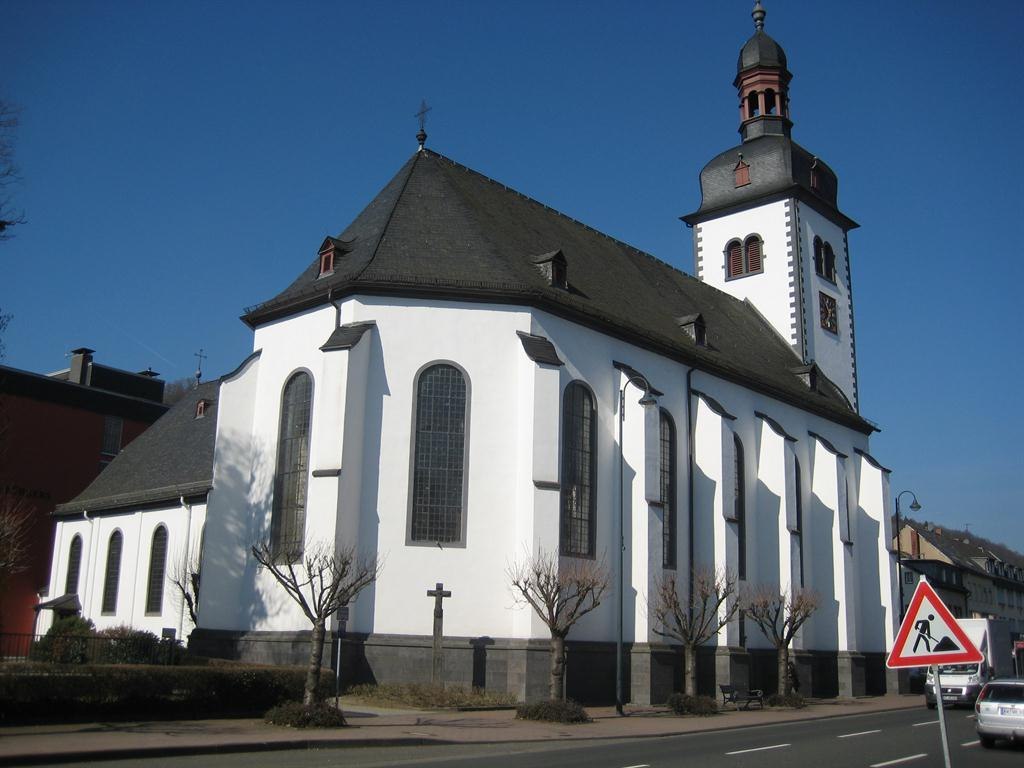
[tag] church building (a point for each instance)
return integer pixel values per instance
(464, 377)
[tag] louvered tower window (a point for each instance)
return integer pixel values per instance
(744, 258)
(579, 471)
(439, 461)
(157, 569)
(113, 573)
(288, 519)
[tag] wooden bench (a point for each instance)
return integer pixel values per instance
(732, 694)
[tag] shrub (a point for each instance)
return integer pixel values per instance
(553, 712)
(67, 641)
(126, 645)
(41, 692)
(682, 704)
(294, 714)
(794, 700)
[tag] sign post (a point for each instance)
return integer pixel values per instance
(930, 636)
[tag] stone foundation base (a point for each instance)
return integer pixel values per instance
(651, 672)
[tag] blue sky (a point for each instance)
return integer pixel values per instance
(184, 160)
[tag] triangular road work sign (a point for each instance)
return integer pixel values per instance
(930, 634)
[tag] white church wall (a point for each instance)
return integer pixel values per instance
(833, 352)
(183, 523)
(878, 580)
(770, 291)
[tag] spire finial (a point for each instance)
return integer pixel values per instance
(758, 13)
(421, 135)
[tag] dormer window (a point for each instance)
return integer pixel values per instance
(327, 261)
(741, 173)
(201, 408)
(815, 177)
(694, 327)
(330, 250)
(555, 268)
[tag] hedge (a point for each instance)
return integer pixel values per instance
(46, 693)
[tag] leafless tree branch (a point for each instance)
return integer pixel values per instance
(561, 591)
(779, 614)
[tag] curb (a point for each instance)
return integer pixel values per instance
(127, 753)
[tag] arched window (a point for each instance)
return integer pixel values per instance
(830, 263)
(734, 251)
(753, 107)
(744, 258)
(113, 573)
(740, 512)
(288, 520)
(668, 489)
(579, 471)
(157, 569)
(798, 534)
(819, 258)
(439, 462)
(752, 254)
(74, 566)
(770, 104)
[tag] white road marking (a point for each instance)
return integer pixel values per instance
(930, 722)
(899, 760)
(642, 765)
(859, 733)
(974, 743)
(756, 749)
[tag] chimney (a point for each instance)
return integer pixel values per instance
(81, 366)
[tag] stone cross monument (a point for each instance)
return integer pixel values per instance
(439, 593)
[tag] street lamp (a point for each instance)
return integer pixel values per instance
(914, 507)
(647, 399)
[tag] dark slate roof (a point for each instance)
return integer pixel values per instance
(172, 458)
(761, 51)
(441, 230)
(346, 336)
(539, 349)
(779, 167)
(963, 546)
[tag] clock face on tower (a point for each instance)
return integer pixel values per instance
(827, 310)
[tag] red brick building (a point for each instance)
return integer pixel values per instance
(57, 432)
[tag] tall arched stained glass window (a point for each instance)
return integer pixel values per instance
(740, 511)
(288, 521)
(157, 569)
(439, 459)
(579, 471)
(74, 566)
(113, 573)
(668, 489)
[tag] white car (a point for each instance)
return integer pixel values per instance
(1000, 711)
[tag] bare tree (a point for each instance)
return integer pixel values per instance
(561, 591)
(320, 580)
(15, 523)
(185, 576)
(177, 389)
(779, 614)
(694, 619)
(8, 171)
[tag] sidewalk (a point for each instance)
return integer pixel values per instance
(369, 726)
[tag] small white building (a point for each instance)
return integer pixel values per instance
(442, 386)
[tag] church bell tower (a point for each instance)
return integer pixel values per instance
(769, 230)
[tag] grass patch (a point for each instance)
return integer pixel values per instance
(424, 696)
(294, 714)
(567, 711)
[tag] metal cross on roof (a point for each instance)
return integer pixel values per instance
(421, 135)
(199, 369)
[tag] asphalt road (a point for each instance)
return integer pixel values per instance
(903, 738)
